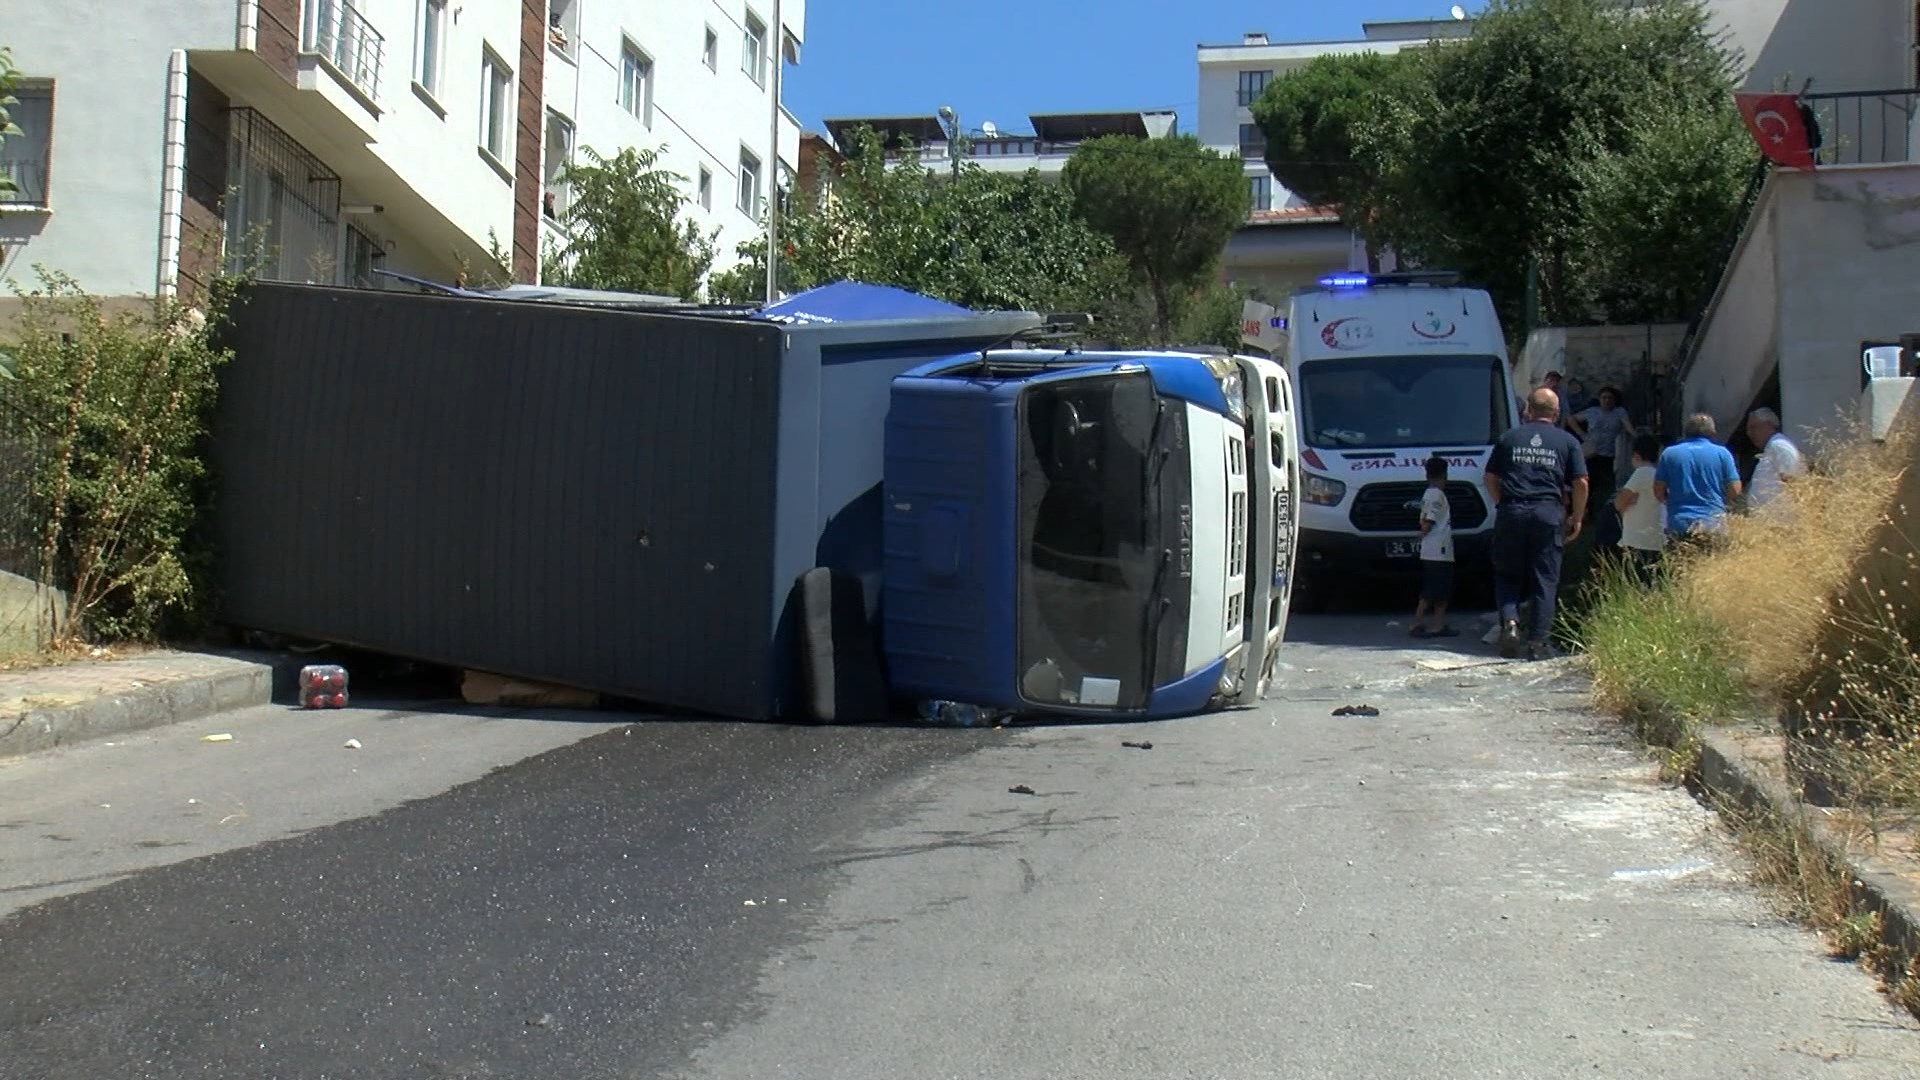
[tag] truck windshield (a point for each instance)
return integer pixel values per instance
(1103, 489)
(1391, 402)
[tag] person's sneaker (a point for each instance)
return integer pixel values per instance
(1510, 639)
(1443, 632)
(1540, 650)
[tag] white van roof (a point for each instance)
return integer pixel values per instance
(1392, 315)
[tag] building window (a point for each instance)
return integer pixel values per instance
(364, 256)
(1259, 192)
(636, 83)
(705, 188)
(1252, 83)
(753, 49)
(1253, 142)
(433, 44)
(563, 26)
(557, 194)
(496, 99)
(26, 159)
(283, 207)
(710, 50)
(749, 184)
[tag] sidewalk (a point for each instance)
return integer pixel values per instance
(45, 707)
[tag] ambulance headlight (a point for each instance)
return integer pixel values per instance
(1322, 490)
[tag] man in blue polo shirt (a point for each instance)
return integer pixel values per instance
(1537, 479)
(1697, 480)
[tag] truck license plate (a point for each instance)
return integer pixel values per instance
(1403, 549)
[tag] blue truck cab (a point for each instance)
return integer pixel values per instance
(1088, 534)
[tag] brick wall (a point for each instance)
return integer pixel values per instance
(529, 140)
(202, 223)
(277, 39)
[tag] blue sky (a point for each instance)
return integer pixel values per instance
(1000, 60)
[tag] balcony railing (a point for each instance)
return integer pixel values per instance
(1865, 127)
(336, 32)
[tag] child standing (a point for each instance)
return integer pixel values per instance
(1641, 534)
(1436, 555)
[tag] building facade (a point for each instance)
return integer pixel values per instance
(1285, 243)
(942, 141)
(321, 140)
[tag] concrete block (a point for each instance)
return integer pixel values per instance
(1880, 405)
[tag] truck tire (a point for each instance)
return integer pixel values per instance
(840, 660)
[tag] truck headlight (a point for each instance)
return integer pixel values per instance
(1323, 491)
(1232, 387)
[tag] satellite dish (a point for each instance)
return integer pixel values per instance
(1459, 12)
(989, 128)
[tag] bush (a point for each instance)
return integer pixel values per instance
(1657, 659)
(120, 403)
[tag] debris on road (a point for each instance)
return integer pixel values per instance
(483, 688)
(748, 903)
(959, 714)
(222, 737)
(1356, 710)
(1137, 745)
(351, 744)
(1020, 789)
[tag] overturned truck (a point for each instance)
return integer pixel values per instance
(631, 497)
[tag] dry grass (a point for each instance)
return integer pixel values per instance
(1774, 586)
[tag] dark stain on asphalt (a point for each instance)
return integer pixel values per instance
(600, 885)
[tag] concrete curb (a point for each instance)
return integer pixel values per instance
(229, 684)
(1731, 772)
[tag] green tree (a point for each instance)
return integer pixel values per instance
(1483, 156)
(1311, 117)
(1168, 205)
(624, 230)
(1655, 209)
(983, 240)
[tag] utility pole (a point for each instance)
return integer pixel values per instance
(955, 147)
(773, 160)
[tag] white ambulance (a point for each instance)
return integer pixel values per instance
(1388, 370)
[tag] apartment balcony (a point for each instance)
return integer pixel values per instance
(1866, 127)
(346, 44)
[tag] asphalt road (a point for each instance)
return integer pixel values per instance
(1482, 881)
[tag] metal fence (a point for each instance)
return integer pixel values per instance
(1864, 127)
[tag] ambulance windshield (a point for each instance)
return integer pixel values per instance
(1403, 402)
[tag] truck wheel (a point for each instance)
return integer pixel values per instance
(839, 659)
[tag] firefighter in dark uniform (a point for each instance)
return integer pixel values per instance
(1537, 479)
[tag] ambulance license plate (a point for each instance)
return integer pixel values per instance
(1403, 549)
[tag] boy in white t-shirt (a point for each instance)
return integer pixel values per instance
(1642, 530)
(1436, 555)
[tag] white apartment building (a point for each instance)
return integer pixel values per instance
(1285, 243)
(320, 140)
(1049, 140)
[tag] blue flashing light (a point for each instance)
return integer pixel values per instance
(1345, 281)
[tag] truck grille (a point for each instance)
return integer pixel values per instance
(1396, 507)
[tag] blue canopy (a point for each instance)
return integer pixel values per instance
(853, 301)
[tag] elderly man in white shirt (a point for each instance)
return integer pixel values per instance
(1780, 461)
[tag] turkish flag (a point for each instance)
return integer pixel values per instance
(1779, 126)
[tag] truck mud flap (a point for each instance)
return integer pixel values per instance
(839, 658)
